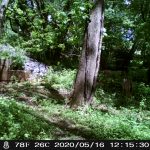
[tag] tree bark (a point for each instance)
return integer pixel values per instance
(84, 86)
(3, 7)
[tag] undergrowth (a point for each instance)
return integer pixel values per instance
(123, 123)
(60, 79)
(126, 123)
(17, 123)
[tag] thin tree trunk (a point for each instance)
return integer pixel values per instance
(3, 7)
(84, 86)
(2, 66)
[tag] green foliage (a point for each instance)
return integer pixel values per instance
(18, 123)
(105, 97)
(127, 44)
(142, 95)
(125, 124)
(62, 33)
(17, 56)
(60, 79)
(122, 124)
(18, 119)
(18, 61)
(110, 92)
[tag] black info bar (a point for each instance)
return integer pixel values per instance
(73, 144)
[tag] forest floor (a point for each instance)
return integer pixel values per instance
(31, 111)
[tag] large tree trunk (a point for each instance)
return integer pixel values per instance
(84, 86)
(3, 7)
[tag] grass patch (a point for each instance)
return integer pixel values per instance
(124, 125)
(17, 123)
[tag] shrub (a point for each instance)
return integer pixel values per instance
(60, 79)
(16, 55)
(142, 95)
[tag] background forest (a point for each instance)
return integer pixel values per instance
(52, 32)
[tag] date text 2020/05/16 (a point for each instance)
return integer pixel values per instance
(74, 144)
